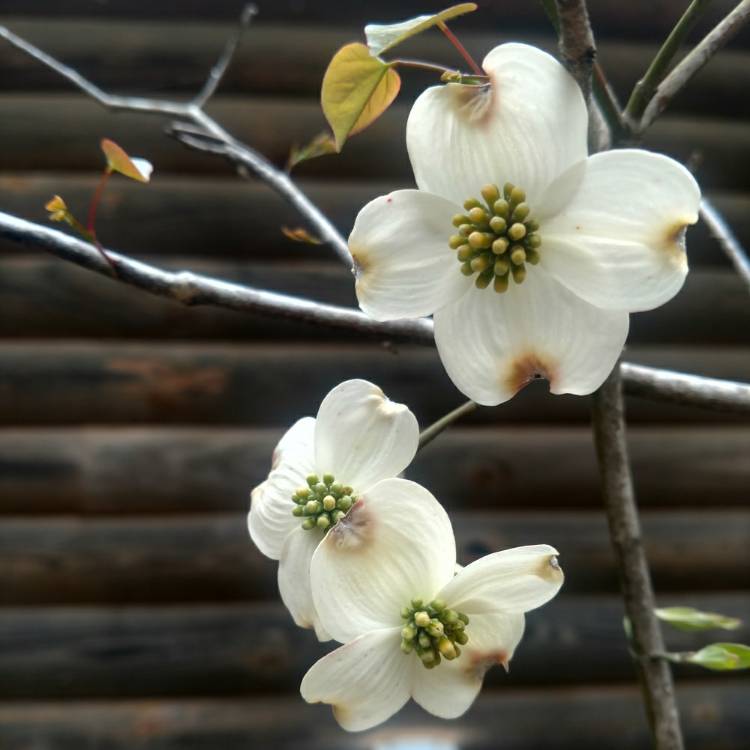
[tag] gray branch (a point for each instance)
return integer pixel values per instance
(635, 577)
(192, 112)
(190, 288)
(726, 238)
(688, 390)
(220, 68)
(693, 62)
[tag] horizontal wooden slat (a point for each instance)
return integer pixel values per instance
(48, 298)
(160, 470)
(610, 19)
(62, 132)
(233, 217)
(714, 717)
(229, 649)
(153, 56)
(69, 382)
(211, 558)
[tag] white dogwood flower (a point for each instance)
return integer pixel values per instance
(413, 624)
(320, 468)
(529, 253)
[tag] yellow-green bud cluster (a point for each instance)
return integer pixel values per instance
(323, 503)
(496, 240)
(433, 631)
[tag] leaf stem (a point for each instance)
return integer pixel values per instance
(646, 87)
(91, 221)
(453, 39)
(430, 433)
(96, 198)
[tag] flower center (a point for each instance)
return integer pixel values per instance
(433, 631)
(496, 242)
(322, 503)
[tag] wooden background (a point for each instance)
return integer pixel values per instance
(134, 612)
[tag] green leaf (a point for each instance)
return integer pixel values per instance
(688, 618)
(722, 657)
(321, 145)
(381, 37)
(357, 89)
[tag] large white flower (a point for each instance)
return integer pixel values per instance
(386, 585)
(359, 441)
(529, 254)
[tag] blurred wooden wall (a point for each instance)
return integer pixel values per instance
(135, 614)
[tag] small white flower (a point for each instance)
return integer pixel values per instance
(549, 249)
(320, 468)
(413, 624)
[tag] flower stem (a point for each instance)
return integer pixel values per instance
(645, 88)
(430, 433)
(453, 39)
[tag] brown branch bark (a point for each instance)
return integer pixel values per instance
(576, 38)
(635, 577)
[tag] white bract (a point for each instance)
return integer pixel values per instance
(358, 443)
(529, 253)
(413, 624)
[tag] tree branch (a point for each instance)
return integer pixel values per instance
(257, 164)
(635, 577)
(693, 62)
(190, 288)
(688, 390)
(646, 86)
(726, 238)
(577, 47)
(220, 68)
(192, 112)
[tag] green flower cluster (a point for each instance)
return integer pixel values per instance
(322, 503)
(496, 242)
(433, 631)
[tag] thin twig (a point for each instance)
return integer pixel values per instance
(192, 112)
(577, 47)
(129, 103)
(646, 86)
(692, 63)
(688, 390)
(220, 68)
(632, 565)
(196, 289)
(430, 433)
(258, 165)
(726, 238)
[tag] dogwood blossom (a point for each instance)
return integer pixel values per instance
(529, 253)
(357, 443)
(413, 624)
